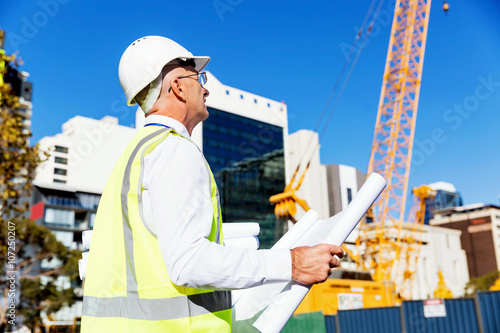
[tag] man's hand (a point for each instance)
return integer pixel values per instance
(313, 264)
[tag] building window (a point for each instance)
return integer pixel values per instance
(241, 96)
(61, 160)
(268, 105)
(88, 201)
(61, 217)
(61, 172)
(61, 149)
(60, 181)
(227, 92)
(349, 195)
(255, 100)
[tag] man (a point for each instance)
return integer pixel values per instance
(157, 262)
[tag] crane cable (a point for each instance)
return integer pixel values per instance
(346, 80)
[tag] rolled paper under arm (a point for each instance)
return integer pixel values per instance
(251, 242)
(86, 238)
(248, 302)
(240, 229)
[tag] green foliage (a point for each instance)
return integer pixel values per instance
(18, 161)
(40, 289)
(37, 296)
(481, 283)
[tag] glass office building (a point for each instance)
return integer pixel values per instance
(247, 159)
(443, 199)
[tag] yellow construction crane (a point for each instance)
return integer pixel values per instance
(386, 245)
(381, 244)
(285, 202)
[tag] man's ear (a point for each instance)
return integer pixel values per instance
(178, 88)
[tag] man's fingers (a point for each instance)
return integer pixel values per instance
(335, 262)
(313, 264)
(335, 250)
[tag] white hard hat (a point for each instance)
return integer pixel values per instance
(142, 62)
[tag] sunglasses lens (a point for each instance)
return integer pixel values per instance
(202, 78)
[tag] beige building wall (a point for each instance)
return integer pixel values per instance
(303, 146)
(87, 151)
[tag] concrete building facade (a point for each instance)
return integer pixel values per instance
(480, 227)
(440, 251)
(84, 154)
(343, 184)
(23, 88)
(303, 148)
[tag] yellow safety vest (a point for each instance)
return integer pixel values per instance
(127, 287)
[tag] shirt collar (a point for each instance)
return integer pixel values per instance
(170, 122)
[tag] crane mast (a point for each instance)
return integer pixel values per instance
(380, 243)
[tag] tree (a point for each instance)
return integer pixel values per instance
(20, 238)
(481, 283)
(35, 243)
(18, 161)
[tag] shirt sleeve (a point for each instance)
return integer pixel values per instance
(180, 212)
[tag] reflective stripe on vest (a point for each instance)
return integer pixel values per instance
(132, 283)
(158, 309)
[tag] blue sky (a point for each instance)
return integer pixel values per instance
(284, 50)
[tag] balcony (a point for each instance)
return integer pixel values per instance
(69, 203)
(76, 225)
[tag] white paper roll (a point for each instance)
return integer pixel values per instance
(288, 240)
(248, 302)
(277, 314)
(82, 268)
(251, 242)
(86, 237)
(240, 229)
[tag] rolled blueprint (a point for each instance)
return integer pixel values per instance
(82, 265)
(86, 237)
(247, 302)
(240, 229)
(297, 230)
(251, 242)
(276, 315)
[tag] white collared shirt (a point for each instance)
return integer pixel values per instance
(178, 208)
